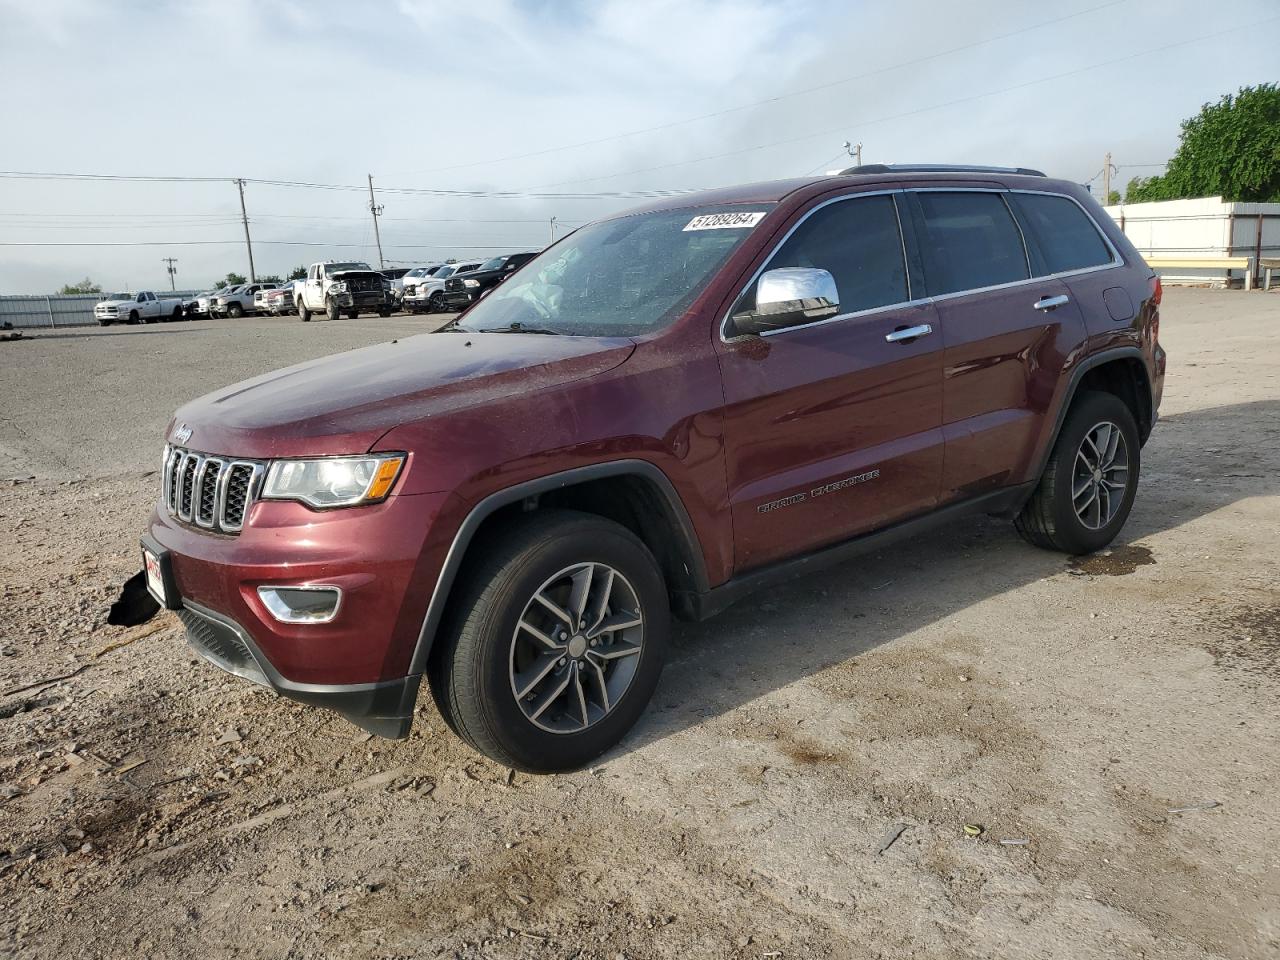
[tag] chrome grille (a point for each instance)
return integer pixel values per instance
(211, 492)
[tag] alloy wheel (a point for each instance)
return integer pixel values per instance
(576, 648)
(1100, 475)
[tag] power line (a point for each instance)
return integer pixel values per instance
(770, 100)
(906, 113)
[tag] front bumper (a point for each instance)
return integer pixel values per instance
(458, 299)
(383, 557)
(384, 708)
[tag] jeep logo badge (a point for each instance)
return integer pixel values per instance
(182, 434)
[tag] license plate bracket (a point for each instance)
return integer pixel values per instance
(157, 567)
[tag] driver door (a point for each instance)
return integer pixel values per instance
(833, 428)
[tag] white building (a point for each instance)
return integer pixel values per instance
(1204, 227)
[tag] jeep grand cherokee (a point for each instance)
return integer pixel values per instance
(663, 411)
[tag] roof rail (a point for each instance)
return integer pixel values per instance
(937, 168)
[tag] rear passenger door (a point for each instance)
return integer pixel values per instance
(1006, 336)
(831, 429)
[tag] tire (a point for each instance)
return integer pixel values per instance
(235, 311)
(435, 303)
(104, 323)
(1055, 519)
(177, 314)
(303, 313)
(133, 317)
(384, 312)
(331, 310)
(481, 654)
(352, 314)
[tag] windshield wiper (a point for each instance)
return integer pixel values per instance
(518, 327)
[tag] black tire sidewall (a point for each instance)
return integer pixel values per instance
(1092, 409)
(531, 747)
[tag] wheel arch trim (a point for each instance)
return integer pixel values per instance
(568, 478)
(1090, 362)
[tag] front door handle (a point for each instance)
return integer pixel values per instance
(908, 333)
(1048, 303)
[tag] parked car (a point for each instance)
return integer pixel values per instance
(279, 300)
(201, 305)
(260, 296)
(665, 411)
(237, 301)
(337, 288)
(461, 291)
(144, 307)
(426, 294)
(395, 277)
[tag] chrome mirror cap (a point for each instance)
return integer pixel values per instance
(787, 297)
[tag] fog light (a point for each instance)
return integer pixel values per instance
(303, 604)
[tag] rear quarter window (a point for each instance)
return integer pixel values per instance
(1065, 237)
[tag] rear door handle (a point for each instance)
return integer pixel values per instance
(908, 333)
(1048, 303)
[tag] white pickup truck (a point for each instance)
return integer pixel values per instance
(144, 307)
(347, 288)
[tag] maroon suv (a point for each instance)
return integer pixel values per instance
(660, 413)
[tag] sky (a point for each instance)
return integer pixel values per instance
(544, 97)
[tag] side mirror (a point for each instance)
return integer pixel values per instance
(787, 297)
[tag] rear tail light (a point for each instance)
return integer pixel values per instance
(1157, 292)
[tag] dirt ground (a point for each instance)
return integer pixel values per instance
(1107, 725)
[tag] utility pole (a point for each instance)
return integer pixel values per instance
(173, 271)
(1106, 179)
(376, 209)
(244, 218)
(854, 150)
(553, 229)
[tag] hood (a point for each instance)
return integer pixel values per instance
(113, 303)
(344, 403)
(348, 274)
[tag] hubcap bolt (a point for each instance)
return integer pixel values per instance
(594, 641)
(563, 661)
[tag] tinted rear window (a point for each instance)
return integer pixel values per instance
(968, 241)
(1066, 237)
(859, 243)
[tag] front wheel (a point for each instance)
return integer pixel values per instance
(384, 312)
(331, 310)
(435, 303)
(1088, 486)
(556, 645)
(235, 311)
(352, 314)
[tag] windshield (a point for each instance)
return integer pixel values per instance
(622, 277)
(331, 268)
(120, 296)
(444, 271)
(418, 272)
(494, 264)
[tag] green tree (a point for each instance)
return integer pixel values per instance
(298, 273)
(84, 286)
(1230, 149)
(269, 278)
(1113, 198)
(232, 279)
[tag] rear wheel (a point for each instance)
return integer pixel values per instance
(556, 646)
(303, 313)
(1088, 486)
(177, 314)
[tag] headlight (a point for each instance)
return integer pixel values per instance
(333, 481)
(339, 287)
(471, 283)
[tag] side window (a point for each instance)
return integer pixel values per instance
(1066, 237)
(969, 240)
(859, 243)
